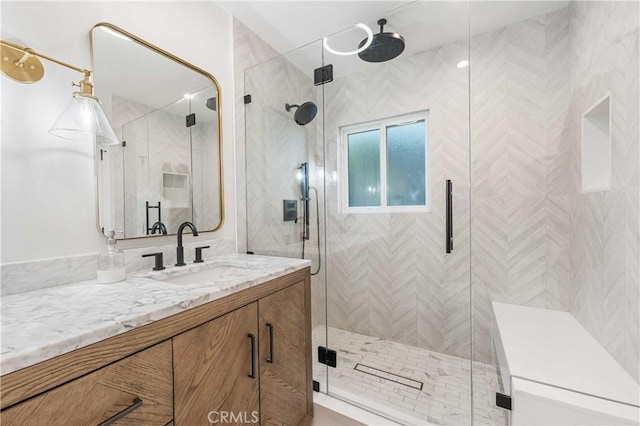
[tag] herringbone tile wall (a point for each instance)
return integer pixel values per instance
(206, 183)
(271, 146)
(157, 142)
(520, 168)
(248, 50)
(537, 240)
(604, 225)
(388, 275)
(125, 214)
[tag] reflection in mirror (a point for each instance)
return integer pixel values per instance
(166, 113)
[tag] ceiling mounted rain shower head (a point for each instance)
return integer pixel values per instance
(305, 112)
(385, 46)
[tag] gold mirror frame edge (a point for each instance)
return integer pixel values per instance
(220, 152)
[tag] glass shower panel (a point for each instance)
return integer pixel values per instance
(284, 167)
(157, 170)
(205, 152)
(170, 164)
(398, 304)
(551, 298)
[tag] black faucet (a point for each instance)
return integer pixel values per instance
(180, 249)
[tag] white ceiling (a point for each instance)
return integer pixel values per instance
(123, 67)
(287, 25)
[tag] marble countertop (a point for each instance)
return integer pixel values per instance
(41, 324)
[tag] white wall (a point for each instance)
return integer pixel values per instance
(48, 196)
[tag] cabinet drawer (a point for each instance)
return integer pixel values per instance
(96, 397)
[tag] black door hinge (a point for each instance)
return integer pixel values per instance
(323, 75)
(247, 99)
(102, 151)
(191, 119)
(327, 356)
(249, 252)
(316, 386)
(124, 143)
(503, 401)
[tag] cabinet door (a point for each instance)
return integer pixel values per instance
(216, 371)
(138, 388)
(284, 381)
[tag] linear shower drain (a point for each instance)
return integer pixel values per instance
(388, 376)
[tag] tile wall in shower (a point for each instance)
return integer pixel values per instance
(276, 147)
(389, 276)
(157, 142)
(520, 168)
(604, 225)
(536, 240)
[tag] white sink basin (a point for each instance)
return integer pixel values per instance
(211, 274)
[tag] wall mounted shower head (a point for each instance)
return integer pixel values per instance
(384, 47)
(305, 112)
(212, 104)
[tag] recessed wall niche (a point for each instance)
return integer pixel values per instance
(596, 147)
(175, 190)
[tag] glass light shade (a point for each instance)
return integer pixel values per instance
(84, 115)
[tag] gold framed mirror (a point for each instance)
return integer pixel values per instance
(167, 114)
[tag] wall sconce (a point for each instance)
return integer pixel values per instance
(83, 114)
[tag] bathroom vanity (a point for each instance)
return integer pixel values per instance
(225, 341)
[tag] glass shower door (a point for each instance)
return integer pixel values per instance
(284, 169)
(157, 169)
(555, 211)
(398, 303)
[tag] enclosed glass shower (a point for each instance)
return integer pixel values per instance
(428, 187)
(157, 176)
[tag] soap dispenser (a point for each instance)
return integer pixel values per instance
(111, 262)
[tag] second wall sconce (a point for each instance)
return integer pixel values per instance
(83, 114)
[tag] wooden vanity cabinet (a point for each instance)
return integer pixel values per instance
(216, 371)
(247, 366)
(97, 397)
(241, 359)
(284, 348)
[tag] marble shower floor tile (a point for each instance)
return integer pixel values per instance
(445, 397)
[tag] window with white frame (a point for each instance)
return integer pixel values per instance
(385, 165)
